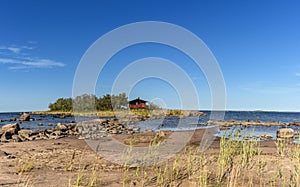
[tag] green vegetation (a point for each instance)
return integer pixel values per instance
(25, 167)
(238, 163)
(61, 104)
(88, 103)
(91, 104)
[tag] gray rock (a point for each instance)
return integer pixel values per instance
(27, 134)
(16, 138)
(49, 131)
(136, 129)
(12, 119)
(285, 133)
(61, 126)
(25, 117)
(114, 131)
(12, 128)
(6, 136)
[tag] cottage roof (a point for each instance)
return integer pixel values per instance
(137, 100)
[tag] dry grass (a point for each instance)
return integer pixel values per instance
(239, 163)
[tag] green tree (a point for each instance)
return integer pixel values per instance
(61, 104)
(85, 103)
(119, 101)
(90, 103)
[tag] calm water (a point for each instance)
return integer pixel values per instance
(191, 123)
(38, 119)
(172, 123)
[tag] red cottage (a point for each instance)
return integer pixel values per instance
(137, 103)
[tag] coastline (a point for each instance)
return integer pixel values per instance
(62, 154)
(62, 160)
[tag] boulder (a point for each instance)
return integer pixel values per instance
(12, 119)
(56, 135)
(25, 117)
(16, 138)
(61, 126)
(285, 133)
(114, 131)
(11, 128)
(27, 134)
(6, 136)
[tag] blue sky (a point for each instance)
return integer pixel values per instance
(256, 43)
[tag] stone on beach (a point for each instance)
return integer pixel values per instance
(6, 136)
(61, 126)
(7, 131)
(285, 133)
(96, 129)
(12, 128)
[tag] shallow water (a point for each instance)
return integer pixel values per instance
(192, 123)
(174, 123)
(46, 120)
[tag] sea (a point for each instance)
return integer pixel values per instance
(172, 123)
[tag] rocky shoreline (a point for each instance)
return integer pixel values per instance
(94, 129)
(98, 128)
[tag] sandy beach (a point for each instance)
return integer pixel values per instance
(70, 161)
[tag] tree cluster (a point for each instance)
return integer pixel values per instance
(87, 103)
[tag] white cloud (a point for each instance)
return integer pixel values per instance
(14, 49)
(16, 60)
(18, 67)
(8, 61)
(43, 63)
(25, 64)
